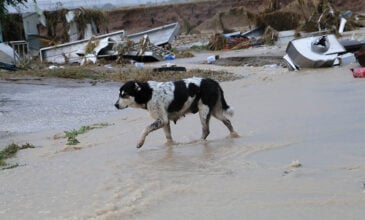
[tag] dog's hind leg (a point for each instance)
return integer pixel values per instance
(167, 130)
(219, 115)
(152, 127)
(204, 113)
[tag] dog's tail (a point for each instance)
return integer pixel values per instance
(227, 110)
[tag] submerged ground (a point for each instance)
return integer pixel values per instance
(300, 155)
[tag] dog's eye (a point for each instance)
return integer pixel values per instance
(123, 95)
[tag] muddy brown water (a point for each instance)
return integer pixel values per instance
(256, 61)
(312, 117)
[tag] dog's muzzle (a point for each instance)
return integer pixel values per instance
(119, 107)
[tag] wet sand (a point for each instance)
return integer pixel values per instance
(300, 156)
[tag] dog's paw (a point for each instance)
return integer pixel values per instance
(170, 143)
(234, 135)
(139, 145)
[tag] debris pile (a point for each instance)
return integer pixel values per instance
(238, 40)
(117, 45)
(304, 16)
(84, 36)
(144, 51)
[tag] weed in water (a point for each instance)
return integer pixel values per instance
(10, 151)
(10, 167)
(71, 135)
(26, 146)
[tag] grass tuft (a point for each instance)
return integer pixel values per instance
(10, 151)
(71, 135)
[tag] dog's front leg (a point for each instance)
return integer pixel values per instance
(152, 127)
(167, 131)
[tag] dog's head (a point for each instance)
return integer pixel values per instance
(133, 94)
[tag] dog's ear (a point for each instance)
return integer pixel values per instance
(137, 87)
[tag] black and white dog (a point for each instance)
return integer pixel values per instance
(167, 101)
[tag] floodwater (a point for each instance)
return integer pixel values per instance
(300, 156)
(53, 104)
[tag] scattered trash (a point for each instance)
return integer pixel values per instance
(343, 20)
(108, 66)
(53, 67)
(312, 52)
(347, 58)
(169, 57)
(169, 67)
(210, 59)
(358, 72)
(295, 164)
(274, 65)
(139, 64)
(342, 25)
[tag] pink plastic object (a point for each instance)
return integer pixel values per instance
(358, 72)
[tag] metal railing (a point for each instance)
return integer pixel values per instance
(20, 52)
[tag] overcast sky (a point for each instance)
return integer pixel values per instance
(55, 4)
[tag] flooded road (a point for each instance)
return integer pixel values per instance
(313, 118)
(53, 104)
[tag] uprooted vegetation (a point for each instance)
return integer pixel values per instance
(298, 15)
(57, 25)
(305, 15)
(9, 152)
(71, 135)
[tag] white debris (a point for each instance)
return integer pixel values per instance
(295, 164)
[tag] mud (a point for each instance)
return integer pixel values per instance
(256, 61)
(311, 117)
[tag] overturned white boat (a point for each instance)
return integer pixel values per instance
(107, 45)
(70, 52)
(313, 52)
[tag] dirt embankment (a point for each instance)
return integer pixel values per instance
(189, 15)
(200, 17)
(204, 16)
